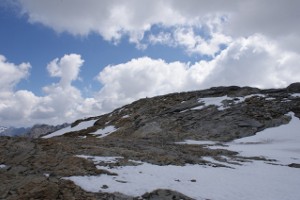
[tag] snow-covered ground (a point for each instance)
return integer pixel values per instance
(80, 126)
(250, 180)
(255, 180)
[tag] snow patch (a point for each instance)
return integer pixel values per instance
(2, 166)
(197, 142)
(270, 99)
(296, 95)
(218, 101)
(105, 131)
(81, 126)
(214, 161)
(99, 159)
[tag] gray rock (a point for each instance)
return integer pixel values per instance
(166, 195)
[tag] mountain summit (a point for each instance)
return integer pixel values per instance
(172, 146)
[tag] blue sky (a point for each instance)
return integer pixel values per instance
(61, 60)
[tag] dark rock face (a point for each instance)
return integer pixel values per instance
(294, 88)
(147, 130)
(294, 165)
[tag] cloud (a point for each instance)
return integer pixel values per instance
(139, 78)
(67, 68)
(114, 19)
(194, 43)
(254, 61)
(109, 18)
(205, 38)
(17, 106)
(62, 101)
(255, 16)
(11, 74)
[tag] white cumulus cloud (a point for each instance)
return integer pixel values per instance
(61, 103)
(67, 68)
(139, 78)
(254, 61)
(11, 74)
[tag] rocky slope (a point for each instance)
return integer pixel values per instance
(146, 130)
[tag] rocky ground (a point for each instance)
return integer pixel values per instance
(147, 130)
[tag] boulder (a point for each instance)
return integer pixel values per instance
(294, 88)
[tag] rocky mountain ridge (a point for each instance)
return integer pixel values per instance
(235, 112)
(12, 131)
(31, 132)
(147, 130)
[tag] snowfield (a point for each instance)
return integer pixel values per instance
(268, 180)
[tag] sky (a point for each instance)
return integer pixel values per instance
(63, 60)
